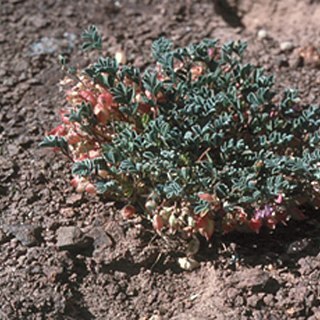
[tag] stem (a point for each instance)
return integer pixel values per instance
(203, 154)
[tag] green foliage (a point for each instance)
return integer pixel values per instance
(55, 142)
(91, 39)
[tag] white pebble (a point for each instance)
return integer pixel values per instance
(188, 264)
(286, 46)
(262, 34)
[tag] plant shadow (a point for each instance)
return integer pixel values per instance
(282, 247)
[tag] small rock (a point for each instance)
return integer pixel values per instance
(74, 199)
(262, 34)
(72, 239)
(54, 273)
(254, 279)
(193, 247)
(9, 82)
(120, 56)
(239, 301)
(305, 266)
(268, 300)
(3, 237)
(67, 212)
(101, 240)
(39, 21)
(2, 38)
(13, 150)
(188, 264)
(286, 46)
(28, 235)
(21, 65)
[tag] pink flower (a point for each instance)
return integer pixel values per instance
(279, 199)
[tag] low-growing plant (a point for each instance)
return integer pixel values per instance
(196, 142)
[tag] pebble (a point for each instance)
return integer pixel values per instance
(100, 237)
(255, 279)
(262, 34)
(74, 199)
(71, 238)
(286, 46)
(27, 234)
(67, 212)
(188, 264)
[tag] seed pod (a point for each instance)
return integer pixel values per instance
(255, 225)
(157, 222)
(103, 174)
(102, 114)
(205, 226)
(128, 211)
(88, 96)
(90, 188)
(105, 99)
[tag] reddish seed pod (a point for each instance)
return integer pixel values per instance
(102, 113)
(73, 138)
(144, 108)
(59, 131)
(157, 222)
(90, 188)
(88, 96)
(271, 223)
(105, 99)
(205, 226)
(128, 211)
(64, 117)
(74, 182)
(206, 197)
(255, 225)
